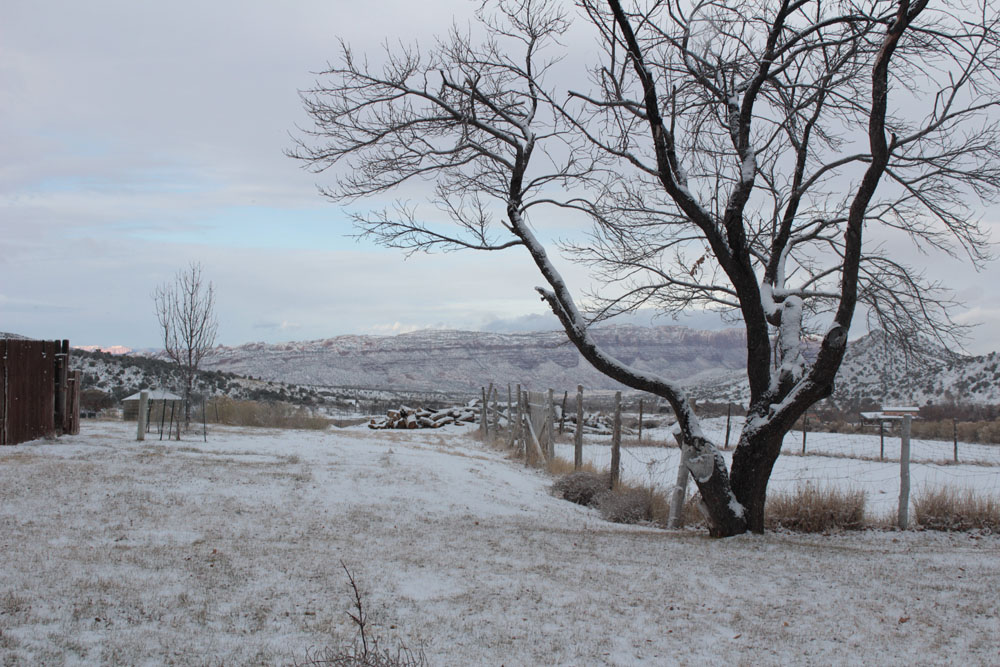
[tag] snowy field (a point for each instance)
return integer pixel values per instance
(848, 461)
(229, 552)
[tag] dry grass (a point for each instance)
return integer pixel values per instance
(810, 509)
(634, 504)
(625, 503)
(957, 509)
(266, 414)
(559, 466)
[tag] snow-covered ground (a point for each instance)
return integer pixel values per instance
(849, 461)
(230, 551)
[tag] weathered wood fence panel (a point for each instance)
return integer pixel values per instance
(38, 395)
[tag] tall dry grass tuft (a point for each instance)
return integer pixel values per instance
(810, 509)
(559, 466)
(628, 503)
(957, 509)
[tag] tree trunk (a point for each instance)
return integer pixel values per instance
(753, 461)
(709, 473)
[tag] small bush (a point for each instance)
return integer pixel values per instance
(581, 487)
(810, 509)
(633, 505)
(957, 509)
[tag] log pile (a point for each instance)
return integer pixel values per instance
(597, 423)
(408, 418)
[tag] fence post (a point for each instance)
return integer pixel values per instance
(881, 440)
(954, 428)
(729, 421)
(640, 421)
(496, 413)
(524, 415)
(482, 417)
(562, 413)
(805, 429)
(680, 487)
(510, 417)
(550, 426)
(904, 475)
(522, 436)
(141, 418)
(578, 434)
(616, 442)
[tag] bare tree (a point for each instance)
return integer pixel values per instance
(749, 157)
(185, 309)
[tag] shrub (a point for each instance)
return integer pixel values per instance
(581, 487)
(957, 509)
(627, 504)
(810, 509)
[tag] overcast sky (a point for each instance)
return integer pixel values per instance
(136, 137)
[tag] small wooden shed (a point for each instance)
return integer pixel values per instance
(158, 399)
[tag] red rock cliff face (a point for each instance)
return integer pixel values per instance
(462, 360)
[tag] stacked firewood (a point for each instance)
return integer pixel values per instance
(406, 417)
(597, 424)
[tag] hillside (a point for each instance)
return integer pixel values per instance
(876, 372)
(427, 365)
(463, 361)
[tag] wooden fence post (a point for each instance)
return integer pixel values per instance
(483, 428)
(510, 417)
(729, 421)
(141, 427)
(640, 421)
(904, 475)
(954, 429)
(679, 492)
(616, 442)
(550, 425)
(562, 413)
(578, 434)
(519, 435)
(805, 429)
(881, 440)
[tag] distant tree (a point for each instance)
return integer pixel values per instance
(95, 400)
(743, 156)
(185, 309)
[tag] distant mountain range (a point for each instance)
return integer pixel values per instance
(709, 363)
(421, 365)
(464, 361)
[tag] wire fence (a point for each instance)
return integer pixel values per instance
(855, 461)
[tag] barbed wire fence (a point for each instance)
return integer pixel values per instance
(868, 460)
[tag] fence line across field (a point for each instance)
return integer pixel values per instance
(875, 462)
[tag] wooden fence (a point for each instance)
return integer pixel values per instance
(39, 396)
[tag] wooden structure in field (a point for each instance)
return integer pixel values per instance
(161, 403)
(39, 396)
